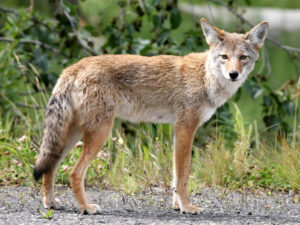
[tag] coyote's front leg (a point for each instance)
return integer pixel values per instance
(184, 135)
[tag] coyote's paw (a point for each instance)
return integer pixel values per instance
(52, 204)
(91, 209)
(190, 209)
(176, 206)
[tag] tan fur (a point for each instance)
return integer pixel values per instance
(93, 141)
(182, 90)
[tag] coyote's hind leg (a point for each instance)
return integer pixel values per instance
(93, 141)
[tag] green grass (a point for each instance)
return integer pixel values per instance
(250, 163)
(16, 157)
(143, 158)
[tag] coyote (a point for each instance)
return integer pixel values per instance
(181, 90)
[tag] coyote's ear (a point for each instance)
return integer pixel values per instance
(258, 34)
(213, 35)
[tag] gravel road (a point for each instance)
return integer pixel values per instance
(22, 205)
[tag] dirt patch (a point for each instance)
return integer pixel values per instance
(23, 205)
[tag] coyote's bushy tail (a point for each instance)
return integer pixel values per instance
(59, 116)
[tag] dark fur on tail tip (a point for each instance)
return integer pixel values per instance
(44, 164)
(37, 173)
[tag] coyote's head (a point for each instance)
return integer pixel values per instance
(232, 56)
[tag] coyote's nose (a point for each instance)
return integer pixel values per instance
(233, 74)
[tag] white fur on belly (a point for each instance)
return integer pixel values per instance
(134, 113)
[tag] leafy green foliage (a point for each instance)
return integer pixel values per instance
(277, 109)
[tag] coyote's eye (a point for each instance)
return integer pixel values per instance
(243, 57)
(224, 56)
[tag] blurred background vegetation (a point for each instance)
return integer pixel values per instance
(256, 132)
